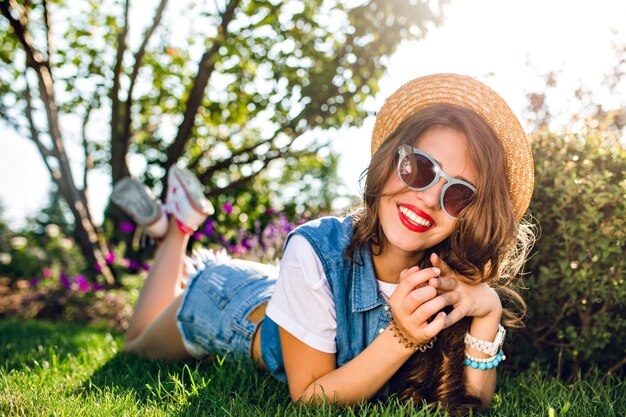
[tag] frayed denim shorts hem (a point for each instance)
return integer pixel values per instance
(215, 315)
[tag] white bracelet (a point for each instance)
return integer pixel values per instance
(488, 348)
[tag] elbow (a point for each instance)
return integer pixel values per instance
(485, 400)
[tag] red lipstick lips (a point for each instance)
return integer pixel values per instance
(410, 225)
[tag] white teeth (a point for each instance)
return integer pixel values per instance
(414, 218)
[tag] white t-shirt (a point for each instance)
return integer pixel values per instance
(302, 302)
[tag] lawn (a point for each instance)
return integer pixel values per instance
(70, 370)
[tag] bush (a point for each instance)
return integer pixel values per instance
(575, 292)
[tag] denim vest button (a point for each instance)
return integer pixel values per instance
(386, 308)
(380, 331)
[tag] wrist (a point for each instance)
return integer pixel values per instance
(484, 328)
(408, 343)
(493, 307)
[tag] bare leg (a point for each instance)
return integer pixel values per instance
(162, 286)
(161, 339)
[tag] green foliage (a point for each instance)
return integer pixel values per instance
(62, 369)
(576, 291)
(45, 243)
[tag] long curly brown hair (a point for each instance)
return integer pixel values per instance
(486, 245)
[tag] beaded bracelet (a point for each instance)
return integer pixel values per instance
(407, 343)
(488, 348)
(484, 363)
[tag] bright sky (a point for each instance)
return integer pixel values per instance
(504, 43)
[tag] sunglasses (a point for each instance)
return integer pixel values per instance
(419, 171)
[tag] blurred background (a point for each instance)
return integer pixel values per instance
(272, 104)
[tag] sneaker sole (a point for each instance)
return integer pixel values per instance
(131, 196)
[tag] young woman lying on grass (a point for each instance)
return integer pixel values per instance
(402, 296)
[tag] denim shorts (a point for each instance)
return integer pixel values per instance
(216, 314)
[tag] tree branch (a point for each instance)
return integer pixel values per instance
(244, 179)
(33, 56)
(205, 69)
(125, 135)
(46, 17)
(117, 69)
(34, 133)
(282, 153)
(88, 158)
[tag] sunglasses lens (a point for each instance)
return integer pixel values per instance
(416, 171)
(456, 198)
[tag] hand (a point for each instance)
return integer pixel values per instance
(475, 300)
(414, 302)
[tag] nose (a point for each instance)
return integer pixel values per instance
(431, 197)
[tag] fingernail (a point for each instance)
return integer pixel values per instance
(436, 270)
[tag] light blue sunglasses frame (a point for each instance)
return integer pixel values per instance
(405, 151)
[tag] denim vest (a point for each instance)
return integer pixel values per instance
(362, 312)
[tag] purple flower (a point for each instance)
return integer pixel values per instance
(47, 272)
(127, 227)
(198, 235)
(284, 224)
(65, 280)
(246, 244)
(208, 228)
(133, 265)
(98, 287)
(228, 208)
(82, 283)
(98, 267)
(270, 211)
(110, 258)
(34, 281)
(146, 266)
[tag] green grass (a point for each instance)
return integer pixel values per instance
(66, 370)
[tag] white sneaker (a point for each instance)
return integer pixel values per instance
(141, 205)
(185, 199)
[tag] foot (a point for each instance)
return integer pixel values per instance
(141, 205)
(185, 199)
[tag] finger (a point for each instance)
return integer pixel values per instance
(443, 283)
(414, 279)
(431, 307)
(440, 263)
(433, 328)
(406, 272)
(415, 299)
(455, 315)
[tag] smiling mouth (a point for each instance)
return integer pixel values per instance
(414, 219)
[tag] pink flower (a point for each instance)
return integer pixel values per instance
(82, 283)
(110, 258)
(47, 272)
(228, 208)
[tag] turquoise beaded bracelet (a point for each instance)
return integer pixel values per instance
(484, 363)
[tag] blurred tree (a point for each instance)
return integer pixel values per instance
(228, 86)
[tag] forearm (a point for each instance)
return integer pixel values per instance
(482, 383)
(364, 375)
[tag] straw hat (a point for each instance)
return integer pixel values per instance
(462, 91)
